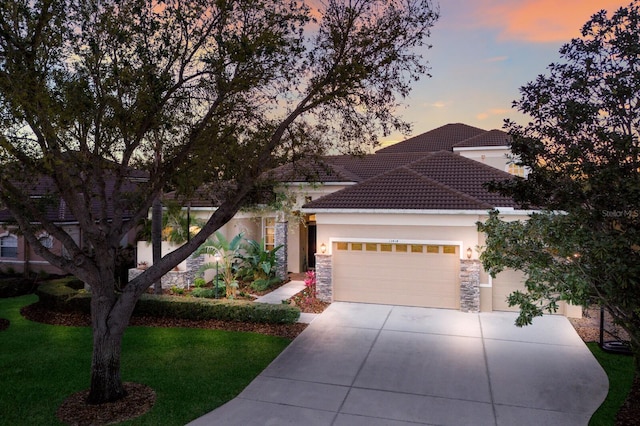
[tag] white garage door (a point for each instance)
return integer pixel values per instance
(505, 283)
(398, 274)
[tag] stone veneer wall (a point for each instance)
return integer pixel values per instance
(281, 229)
(470, 285)
(193, 265)
(170, 279)
(323, 277)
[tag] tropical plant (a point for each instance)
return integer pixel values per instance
(259, 265)
(228, 260)
(177, 227)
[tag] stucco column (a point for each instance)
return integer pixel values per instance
(470, 285)
(324, 286)
(281, 229)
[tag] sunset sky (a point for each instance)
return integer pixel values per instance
(484, 51)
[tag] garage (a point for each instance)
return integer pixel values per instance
(413, 274)
(505, 283)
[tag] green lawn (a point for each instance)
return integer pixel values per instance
(192, 371)
(619, 369)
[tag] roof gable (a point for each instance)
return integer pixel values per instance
(442, 138)
(491, 138)
(464, 175)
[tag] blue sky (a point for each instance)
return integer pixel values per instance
(484, 51)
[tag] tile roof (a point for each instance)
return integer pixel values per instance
(490, 138)
(464, 175)
(399, 189)
(57, 211)
(442, 138)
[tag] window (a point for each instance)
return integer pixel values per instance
(449, 249)
(433, 249)
(342, 246)
(269, 233)
(371, 247)
(515, 170)
(46, 241)
(416, 248)
(356, 246)
(9, 246)
(401, 248)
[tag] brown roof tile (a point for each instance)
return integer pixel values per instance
(401, 189)
(442, 138)
(464, 175)
(490, 138)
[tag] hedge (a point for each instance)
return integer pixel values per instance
(59, 295)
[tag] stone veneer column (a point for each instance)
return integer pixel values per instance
(324, 286)
(281, 229)
(470, 285)
(193, 264)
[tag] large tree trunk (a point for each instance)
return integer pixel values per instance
(110, 314)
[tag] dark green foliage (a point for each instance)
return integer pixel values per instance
(226, 310)
(58, 295)
(207, 293)
(16, 286)
(263, 284)
(259, 265)
(582, 148)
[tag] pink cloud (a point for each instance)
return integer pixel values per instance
(539, 20)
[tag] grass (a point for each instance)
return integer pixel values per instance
(619, 369)
(192, 371)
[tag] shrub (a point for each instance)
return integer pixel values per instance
(64, 294)
(199, 282)
(263, 284)
(58, 295)
(206, 309)
(208, 293)
(15, 286)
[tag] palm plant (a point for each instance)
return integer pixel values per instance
(228, 254)
(259, 264)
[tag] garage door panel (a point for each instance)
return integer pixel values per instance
(505, 283)
(405, 278)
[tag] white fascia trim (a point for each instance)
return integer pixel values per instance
(480, 148)
(506, 211)
(395, 241)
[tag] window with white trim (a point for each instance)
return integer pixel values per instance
(46, 240)
(269, 232)
(9, 246)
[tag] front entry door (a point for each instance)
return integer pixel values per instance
(311, 246)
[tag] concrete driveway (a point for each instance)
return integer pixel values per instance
(361, 364)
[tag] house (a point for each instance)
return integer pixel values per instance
(17, 255)
(397, 226)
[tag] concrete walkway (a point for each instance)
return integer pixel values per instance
(362, 364)
(284, 292)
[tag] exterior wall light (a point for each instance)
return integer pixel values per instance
(469, 253)
(323, 248)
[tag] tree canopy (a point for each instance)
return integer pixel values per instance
(109, 102)
(582, 150)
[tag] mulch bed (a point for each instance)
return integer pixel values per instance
(76, 412)
(4, 324)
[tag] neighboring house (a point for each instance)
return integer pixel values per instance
(397, 226)
(16, 254)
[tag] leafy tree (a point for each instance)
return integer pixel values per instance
(184, 91)
(583, 151)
